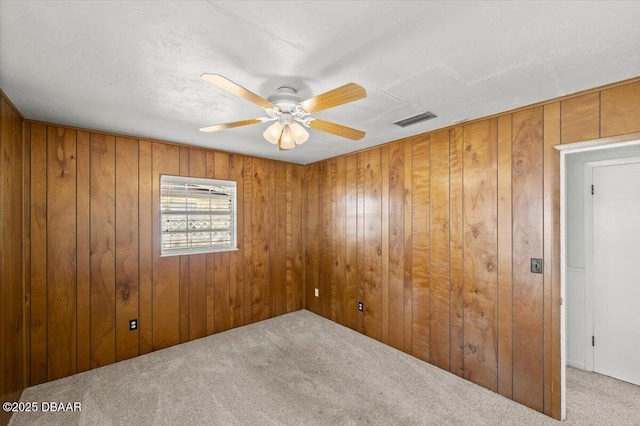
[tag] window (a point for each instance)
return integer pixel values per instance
(197, 215)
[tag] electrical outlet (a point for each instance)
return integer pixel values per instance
(133, 324)
(317, 292)
(536, 266)
(360, 306)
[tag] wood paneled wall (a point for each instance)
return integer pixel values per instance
(435, 233)
(11, 259)
(93, 249)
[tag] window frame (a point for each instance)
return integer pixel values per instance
(173, 179)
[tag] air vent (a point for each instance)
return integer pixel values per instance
(415, 119)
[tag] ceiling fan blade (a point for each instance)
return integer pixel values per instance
(230, 125)
(342, 95)
(337, 129)
(236, 89)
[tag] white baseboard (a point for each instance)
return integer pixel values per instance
(576, 364)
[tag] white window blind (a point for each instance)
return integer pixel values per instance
(197, 215)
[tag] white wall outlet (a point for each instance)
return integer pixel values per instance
(317, 292)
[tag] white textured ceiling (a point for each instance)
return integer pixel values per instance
(134, 67)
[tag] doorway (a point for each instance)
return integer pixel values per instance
(576, 292)
(612, 265)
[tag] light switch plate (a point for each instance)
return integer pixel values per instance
(536, 266)
(317, 292)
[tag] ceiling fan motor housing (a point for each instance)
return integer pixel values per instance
(285, 99)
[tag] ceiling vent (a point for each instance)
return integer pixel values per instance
(415, 119)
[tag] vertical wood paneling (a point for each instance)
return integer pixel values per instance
(236, 262)
(113, 271)
(328, 231)
(12, 264)
(184, 290)
(456, 245)
(351, 224)
(313, 234)
(331, 229)
(527, 243)
(420, 255)
(197, 263)
(83, 251)
(38, 361)
(210, 302)
(16, 285)
(7, 162)
(505, 311)
(339, 232)
(61, 252)
(166, 270)
(408, 247)
(247, 235)
(198, 296)
(289, 263)
(384, 247)
(222, 276)
(103, 243)
(580, 118)
(298, 244)
(324, 237)
(273, 249)
(145, 244)
(326, 240)
(396, 245)
(372, 244)
(185, 266)
(360, 237)
(439, 248)
(26, 253)
(260, 239)
(480, 253)
(126, 239)
(551, 208)
(282, 252)
(620, 111)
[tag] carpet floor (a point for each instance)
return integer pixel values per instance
(301, 369)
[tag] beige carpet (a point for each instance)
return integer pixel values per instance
(291, 370)
(594, 399)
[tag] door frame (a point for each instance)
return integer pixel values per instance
(565, 150)
(588, 251)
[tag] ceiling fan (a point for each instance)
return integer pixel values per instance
(289, 113)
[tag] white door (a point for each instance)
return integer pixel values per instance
(616, 271)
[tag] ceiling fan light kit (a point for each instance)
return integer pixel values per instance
(286, 139)
(289, 113)
(273, 133)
